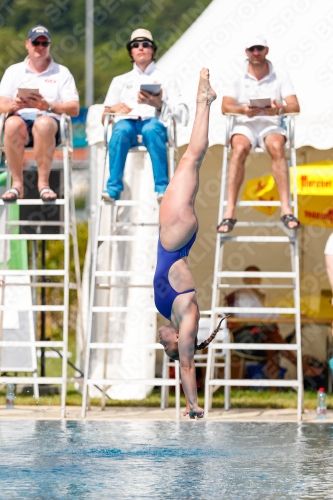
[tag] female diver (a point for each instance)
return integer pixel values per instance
(174, 290)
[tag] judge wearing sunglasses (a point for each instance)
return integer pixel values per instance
(258, 126)
(140, 115)
(33, 115)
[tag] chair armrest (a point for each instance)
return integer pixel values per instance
(181, 114)
(2, 126)
(109, 120)
(66, 130)
(172, 131)
(127, 115)
(289, 119)
(229, 126)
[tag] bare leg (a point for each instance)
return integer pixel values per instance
(44, 131)
(15, 136)
(240, 149)
(177, 217)
(275, 146)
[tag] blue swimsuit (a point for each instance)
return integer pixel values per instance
(164, 293)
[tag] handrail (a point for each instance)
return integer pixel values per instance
(66, 131)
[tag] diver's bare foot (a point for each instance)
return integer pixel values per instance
(205, 92)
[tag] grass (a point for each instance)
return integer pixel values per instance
(239, 399)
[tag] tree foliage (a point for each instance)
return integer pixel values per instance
(114, 20)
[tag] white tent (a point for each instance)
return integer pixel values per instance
(299, 35)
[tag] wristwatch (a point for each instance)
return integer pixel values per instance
(50, 109)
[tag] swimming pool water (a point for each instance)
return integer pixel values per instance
(165, 460)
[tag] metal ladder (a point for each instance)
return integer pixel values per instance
(68, 231)
(110, 285)
(220, 274)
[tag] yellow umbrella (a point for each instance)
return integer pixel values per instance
(314, 190)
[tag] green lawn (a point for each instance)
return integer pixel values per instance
(239, 399)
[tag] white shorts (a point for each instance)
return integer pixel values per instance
(257, 131)
(329, 246)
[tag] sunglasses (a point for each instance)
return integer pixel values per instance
(36, 43)
(256, 47)
(145, 45)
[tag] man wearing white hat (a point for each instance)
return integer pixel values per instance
(126, 97)
(258, 126)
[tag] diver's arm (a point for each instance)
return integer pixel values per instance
(186, 349)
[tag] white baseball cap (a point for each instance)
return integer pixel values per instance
(258, 39)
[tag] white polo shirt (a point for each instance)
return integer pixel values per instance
(125, 88)
(275, 85)
(56, 84)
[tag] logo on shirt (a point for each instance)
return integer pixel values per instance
(48, 80)
(129, 86)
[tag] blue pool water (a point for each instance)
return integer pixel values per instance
(165, 460)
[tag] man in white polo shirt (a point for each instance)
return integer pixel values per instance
(258, 127)
(33, 117)
(144, 127)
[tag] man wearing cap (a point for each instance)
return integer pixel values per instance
(33, 120)
(258, 127)
(144, 109)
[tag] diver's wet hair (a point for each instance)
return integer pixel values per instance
(206, 342)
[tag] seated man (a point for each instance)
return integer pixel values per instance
(267, 333)
(34, 118)
(258, 127)
(125, 97)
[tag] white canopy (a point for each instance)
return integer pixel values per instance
(300, 38)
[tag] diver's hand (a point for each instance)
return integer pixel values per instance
(196, 412)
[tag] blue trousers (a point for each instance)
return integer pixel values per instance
(124, 137)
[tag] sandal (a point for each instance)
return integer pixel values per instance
(226, 222)
(12, 199)
(44, 191)
(290, 218)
